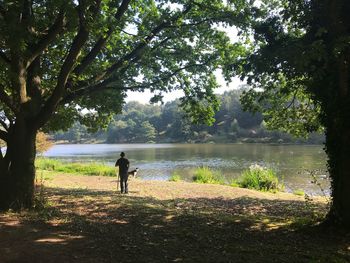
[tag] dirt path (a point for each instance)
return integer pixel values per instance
(84, 219)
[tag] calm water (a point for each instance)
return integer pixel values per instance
(159, 161)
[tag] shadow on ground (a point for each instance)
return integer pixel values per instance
(102, 226)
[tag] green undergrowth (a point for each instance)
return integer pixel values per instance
(97, 169)
(206, 175)
(260, 178)
(175, 177)
(299, 192)
(256, 177)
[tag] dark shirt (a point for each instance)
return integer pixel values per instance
(123, 164)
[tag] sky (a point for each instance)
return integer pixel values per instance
(144, 97)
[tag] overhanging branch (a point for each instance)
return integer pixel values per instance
(140, 46)
(106, 79)
(134, 53)
(7, 100)
(44, 42)
(108, 82)
(2, 11)
(4, 125)
(77, 44)
(4, 57)
(101, 42)
(3, 135)
(293, 100)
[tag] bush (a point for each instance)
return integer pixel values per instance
(259, 178)
(78, 168)
(175, 177)
(206, 175)
(234, 183)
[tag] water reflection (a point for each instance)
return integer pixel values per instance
(159, 161)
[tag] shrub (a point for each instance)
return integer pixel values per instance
(175, 177)
(259, 178)
(206, 175)
(234, 183)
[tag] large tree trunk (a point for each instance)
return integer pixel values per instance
(338, 150)
(17, 170)
(334, 88)
(337, 124)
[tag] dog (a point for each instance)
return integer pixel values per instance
(133, 173)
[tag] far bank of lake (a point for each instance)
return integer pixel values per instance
(158, 161)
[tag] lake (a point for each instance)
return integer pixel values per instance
(159, 161)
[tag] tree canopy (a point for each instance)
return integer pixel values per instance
(297, 65)
(66, 61)
(143, 123)
(73, 61)
(78, 58)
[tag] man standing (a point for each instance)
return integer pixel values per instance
(123, 165)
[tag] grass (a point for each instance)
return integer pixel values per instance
(175, 177)
(299, 192)
(234, 183)
(206, 175)
(256, 177)
(260, 178)
(96, 169)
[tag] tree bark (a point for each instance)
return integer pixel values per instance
(338, 150)
(18, 169)
(337, 123)
(334, 94)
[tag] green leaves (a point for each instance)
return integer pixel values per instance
(281, 66)
(89, 53)
(285, 105)
(200, 103)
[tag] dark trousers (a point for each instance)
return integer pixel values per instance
(124, 183)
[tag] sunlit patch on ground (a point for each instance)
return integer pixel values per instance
(62, 239)
(168, 222)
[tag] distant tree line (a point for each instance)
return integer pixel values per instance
(146, 123)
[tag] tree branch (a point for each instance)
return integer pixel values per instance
(2, 11)
(122, 9)
(3, 124)
(27, 10)
(77, 44)
(167, 77)
(7, 100)
(100, 43)
(132, 57)
(293, 100)
(4, 57)
(106, 84)
(44, 42)
(134, 53)
(140, 46)
(3, 135)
